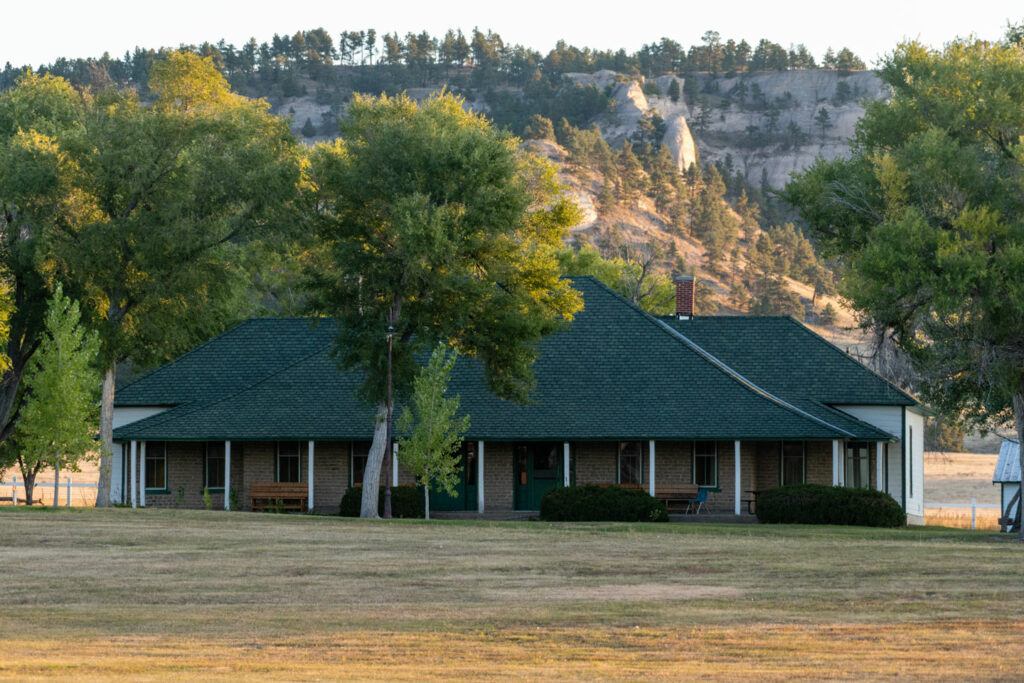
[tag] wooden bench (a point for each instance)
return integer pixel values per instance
(279, 495)
(677, 498)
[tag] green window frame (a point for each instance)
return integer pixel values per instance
(156, 467)
(792, 463)
(359, 453)
(704, 466)
(213, 467)
(857, 465)
(630, 464)
(288, 461)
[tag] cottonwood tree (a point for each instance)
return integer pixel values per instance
(58, 425)
(927, 220)
(35, 198)
(432, 431)
(435, 228)
(162, 201)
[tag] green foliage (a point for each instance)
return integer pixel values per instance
(927, 219)
(601, 504)
(406, 502)
(943, 434)
(632, 272)
(539, 128)
(829, 314)
(435, 229)
(814, 504)
(432, 208)
(673, 90)
(308, 129)
(432, 434)
(207, 500)
(61, 414)
(823, 120)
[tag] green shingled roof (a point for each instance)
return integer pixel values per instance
(614, 373)
(785, 357)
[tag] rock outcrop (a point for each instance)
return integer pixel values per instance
(680, 142)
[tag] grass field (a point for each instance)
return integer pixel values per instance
(180, 594)
(956, 478)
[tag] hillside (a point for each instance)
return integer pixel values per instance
(715, 126)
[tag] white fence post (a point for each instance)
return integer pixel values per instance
(14, 491)
(974, 513)
(67, 503)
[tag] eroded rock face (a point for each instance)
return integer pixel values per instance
(680, 142)
(760, 148)
(630, 101)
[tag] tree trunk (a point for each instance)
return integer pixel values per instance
(56, 480)
(106, 436)
(426, 502)
(371, 475)
(30, 485)
(1018, 416)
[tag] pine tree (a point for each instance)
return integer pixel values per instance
(673, 90)
(308, 129)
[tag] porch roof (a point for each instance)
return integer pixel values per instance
(615, 373)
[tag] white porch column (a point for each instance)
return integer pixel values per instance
(142, 474)
(227, 475)
(480, 477)
(879, 471)
(309, 475)
(650, 466)
(738, 484)
(394, 465)
(133, 482)
(835, 462)
(565, 463)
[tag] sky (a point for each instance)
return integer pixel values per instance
(35, 34)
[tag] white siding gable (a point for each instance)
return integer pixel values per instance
(887, 418)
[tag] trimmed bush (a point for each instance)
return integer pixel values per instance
(815, 504)
(406, 502)
(601, 504)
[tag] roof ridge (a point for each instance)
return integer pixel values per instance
(746, 382)
(188, 409)
(191, 351)
(728, 371)
(808, 331)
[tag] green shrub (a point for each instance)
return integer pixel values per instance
(406, 502)
(601, 504)
(814, 504)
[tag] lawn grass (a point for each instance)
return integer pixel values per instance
(169, 594)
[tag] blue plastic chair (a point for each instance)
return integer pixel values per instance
(702, 497)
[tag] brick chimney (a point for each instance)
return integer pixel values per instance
(684, 296)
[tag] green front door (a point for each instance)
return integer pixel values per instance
(465, 488)
(538, 468)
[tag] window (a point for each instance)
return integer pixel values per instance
(469, 461)
(288, 463)
(910, 462)
(156, 466)
(705, 463)
(213, 472)
(360, 454)
(630, 462)
(793, 463)
(858, 466)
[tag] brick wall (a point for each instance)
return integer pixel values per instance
(819, 462)
(498, 475)
(673, 461)
(596, 462)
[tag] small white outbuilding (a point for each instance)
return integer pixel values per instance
(1007, 475)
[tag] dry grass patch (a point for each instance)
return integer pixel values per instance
(165, 594)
